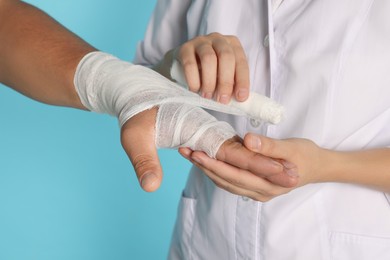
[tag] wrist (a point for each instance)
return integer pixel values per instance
(330, 166)
(365, 167)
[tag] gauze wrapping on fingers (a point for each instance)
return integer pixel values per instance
(106, 84)
(103, 68)
(198, 129)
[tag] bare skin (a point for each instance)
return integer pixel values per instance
(312, 163)
(215, 65)
(38, 58)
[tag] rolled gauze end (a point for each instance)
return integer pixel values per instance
(258, 107)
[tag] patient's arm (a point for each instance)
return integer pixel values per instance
(109, 85)
(38, 56)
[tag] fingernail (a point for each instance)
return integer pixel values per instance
(290, 169)
(256, 143)
(242, 94)
(288, 165)
(148, 179)
(292, 172)
(224, 99)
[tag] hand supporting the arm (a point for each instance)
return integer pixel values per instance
(315, 164)
(299, 157)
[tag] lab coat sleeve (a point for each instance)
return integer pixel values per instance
(166, 30)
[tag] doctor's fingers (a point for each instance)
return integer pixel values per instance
(235, 153)
(241, 80)
(216, 65)
(138, 141)
(237, 181)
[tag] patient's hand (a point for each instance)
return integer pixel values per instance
(244, 172)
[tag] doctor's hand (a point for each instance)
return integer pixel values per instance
(304, 156)
(367, 167)
(214, 65)
(244, 172)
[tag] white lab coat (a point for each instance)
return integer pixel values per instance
(328, 63)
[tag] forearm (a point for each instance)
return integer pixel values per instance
(366, 167)
(38, 56)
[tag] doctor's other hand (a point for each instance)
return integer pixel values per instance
(214, 65)
(302, 156)
(138, 141)
(244, 172)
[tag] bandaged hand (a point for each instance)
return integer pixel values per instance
(106, 84)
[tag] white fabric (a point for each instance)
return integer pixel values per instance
(258, 107)
(106, 84)
(328, 64)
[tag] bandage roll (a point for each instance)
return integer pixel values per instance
(258, 107)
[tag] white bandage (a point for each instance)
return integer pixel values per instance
(106, 84)
(257, 106)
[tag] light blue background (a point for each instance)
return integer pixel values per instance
(67, 189)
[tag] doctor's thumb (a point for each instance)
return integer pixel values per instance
(138, 140)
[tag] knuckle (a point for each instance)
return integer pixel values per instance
(188, 64)
(265, 199)
(226, 54)
(225, 86)
(261, 197)
(201, 38)
(196, 40)
(143, 163)
(186, 46)
(255, 162)
(236, 182)
(208, 84)
(271, 193)
(256, 157)
(270, 146)
(208, 56)
(214, 35)
(231, 146)
(235, 144)
(232, 37)
(255, 196)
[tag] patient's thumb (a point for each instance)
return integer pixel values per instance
(138, 140)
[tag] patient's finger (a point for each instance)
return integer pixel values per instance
(236, 154)
(235, 180)
(138, 140)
